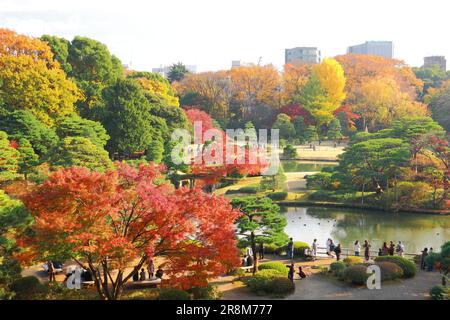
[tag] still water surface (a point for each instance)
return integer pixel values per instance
(345, 226)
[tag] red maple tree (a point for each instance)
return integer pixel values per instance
(113, 223)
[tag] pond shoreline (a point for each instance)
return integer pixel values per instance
(341, 205)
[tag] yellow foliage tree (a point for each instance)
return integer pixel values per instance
(332, 80)
(381, 102)
(31, 80)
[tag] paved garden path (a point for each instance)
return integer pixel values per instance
(320, 287)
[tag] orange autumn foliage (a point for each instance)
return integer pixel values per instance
(110, 222)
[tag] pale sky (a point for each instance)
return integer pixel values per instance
(211, 33)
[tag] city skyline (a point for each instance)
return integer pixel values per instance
(144, 39)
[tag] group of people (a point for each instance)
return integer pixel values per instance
(142, 276)
(336, 250)
(291, 272)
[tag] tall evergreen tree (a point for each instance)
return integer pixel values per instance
(261, 221)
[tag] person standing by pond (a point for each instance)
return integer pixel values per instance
(385, 249)
(400, 249)
(291, 272)
(366, 250)
(314, 250)
(422, 259)
(391, 248)
(356, 248)
(338, 251)
(290, 249)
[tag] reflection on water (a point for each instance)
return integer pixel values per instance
(305, 166)
(416, 231)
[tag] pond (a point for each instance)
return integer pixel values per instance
(305, 166)
(344, 226)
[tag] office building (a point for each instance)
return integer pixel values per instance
(375, 48)
(435, 61)
(302, 55)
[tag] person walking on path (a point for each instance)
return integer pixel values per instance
(366, 250)
(314, 250)
(290, 249)
(356, 248)
(51, 271)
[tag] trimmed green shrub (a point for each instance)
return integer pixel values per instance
(439, 293)
(26, 287)
(277, 196)
(249, 190)
(173, 294)
(290, 152)
(356, 274)
(272, 248)
(299, 248)
(261, 282)
(280, 287)
(209, 292)
(281, 267)
(337, 267)
(408, 267)
(390, 271)
(352, 260)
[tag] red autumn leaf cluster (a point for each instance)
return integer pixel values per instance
(123, 218)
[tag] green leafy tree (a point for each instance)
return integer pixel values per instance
(60, 49)
(290, 152)
(432, 77)
(261, 221)
(28, 160)
(128, 120)
(311, 134)
(92, 61)
(251, 131)
(14, 219)
(22, 124)
(75, 126)
(155, 151)
(274, 182)
(300, 128)
(375, 160)
(79, 152)
(177, 72)
(8, 159)
(439, 103)
(334, 130)
(283, 123)
(94, 68)
(415, 131)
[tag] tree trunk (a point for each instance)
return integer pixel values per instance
(255, 256)
(362, 193)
